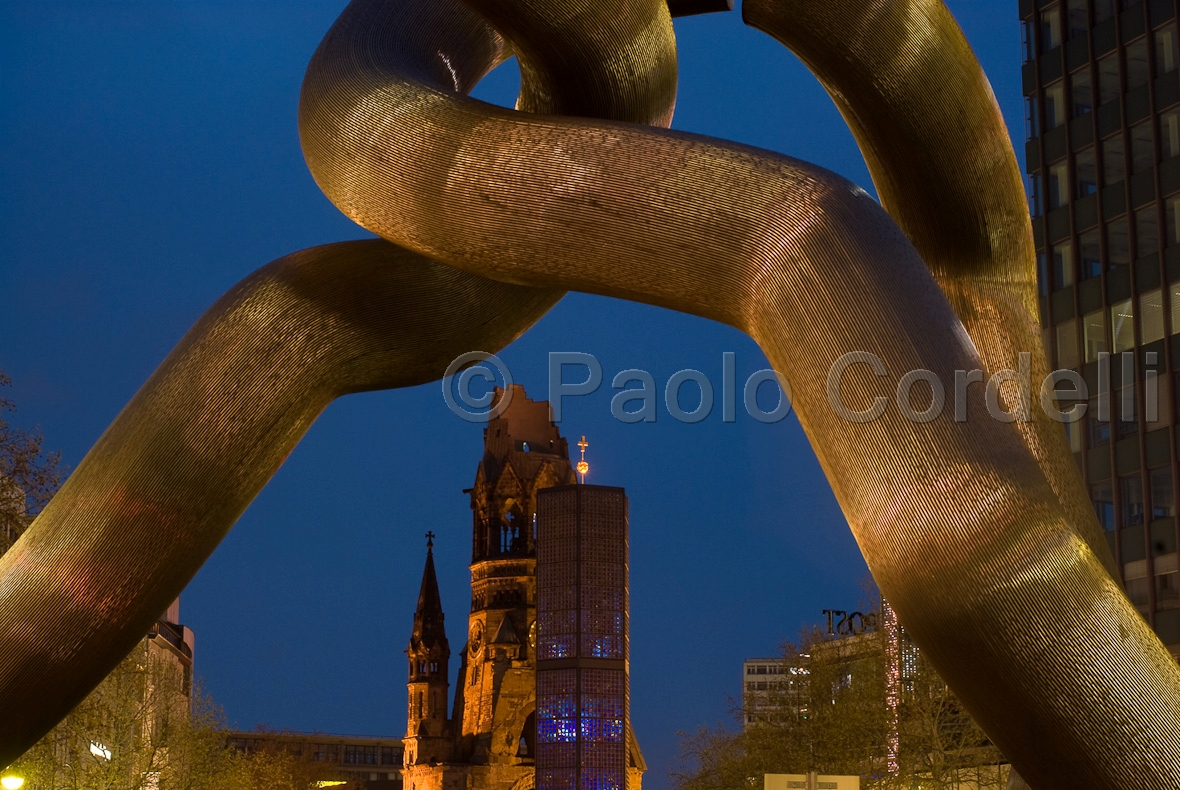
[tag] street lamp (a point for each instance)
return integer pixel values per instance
(12, 782)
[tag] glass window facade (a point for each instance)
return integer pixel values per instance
(582, 647)
(1102, 84)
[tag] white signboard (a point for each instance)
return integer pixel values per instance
(810, 782)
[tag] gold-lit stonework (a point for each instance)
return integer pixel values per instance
(972, 529)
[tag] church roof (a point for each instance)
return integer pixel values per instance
(505, 634)
(428, 618)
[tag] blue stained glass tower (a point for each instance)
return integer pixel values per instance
(582, 638)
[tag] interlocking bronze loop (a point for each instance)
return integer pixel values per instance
(972, 529)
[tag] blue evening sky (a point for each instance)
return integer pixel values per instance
(149, 159)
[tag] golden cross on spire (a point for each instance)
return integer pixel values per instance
(582, 466)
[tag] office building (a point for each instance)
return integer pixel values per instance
(1103, 156)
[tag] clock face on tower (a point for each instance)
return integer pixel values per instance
(475, 639)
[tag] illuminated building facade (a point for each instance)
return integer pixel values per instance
(489, 740)
(1102, 91)
(582, 652)
(771, 686)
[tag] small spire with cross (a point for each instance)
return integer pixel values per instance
(429, 540)
(582, 466)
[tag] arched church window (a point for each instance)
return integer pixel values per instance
(527, 743)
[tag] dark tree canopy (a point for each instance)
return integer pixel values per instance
(28, 475)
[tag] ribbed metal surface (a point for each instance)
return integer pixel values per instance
(978, 532)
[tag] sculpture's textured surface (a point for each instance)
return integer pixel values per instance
(971, 528)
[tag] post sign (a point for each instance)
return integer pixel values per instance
(850, 623)
(810, 781)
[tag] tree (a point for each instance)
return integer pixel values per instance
(28, 475)
(143, 728)
(137, 731)
(829, 711)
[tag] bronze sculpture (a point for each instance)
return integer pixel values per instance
(968, 527)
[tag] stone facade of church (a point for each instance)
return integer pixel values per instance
(487, 742)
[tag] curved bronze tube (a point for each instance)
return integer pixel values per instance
(922, 111)
(165, 482)
(961, 523)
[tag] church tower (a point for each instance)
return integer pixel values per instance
(428, 738)
(523, 453)
(489, 741)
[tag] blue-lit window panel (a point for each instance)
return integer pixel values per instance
(558, 779)
(559, 572)
(602, 646)
(557, 730)
(601, 779)
(604, 755)
(555, 623)
(602, 598)
(558, 706)
(561, 646)
(558, 755)
(600, 621)
(603, 706)
(557, 682)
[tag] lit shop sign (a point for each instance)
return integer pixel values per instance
(810, 782)
(854, 623)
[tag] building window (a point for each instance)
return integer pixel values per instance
(1118, 242)
(1081, 92)
(1163, 498)
(1142, 153)
(1137, 592)
(1147, 231)
(1094, 334)
(1128, 408)
(1122, 323)
(1137, 64)
(1131, 491)
(1026, 40)
(1114, 165)
(1073, 435)
(1054, 105)
(1172, 218)
(1063, 268)
(1050, 29)
(1058, 185)
(1174, 297)
(1091, 256)
(1076, 18)
(1167, 590)
(1099, 425)
(1170, 134)
(1086, 167)
(1102, 497)
(1109, 87)
(1103, 10)
(1032, 122)
(1151, 316)
(1165, 49)
(1067, 344)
